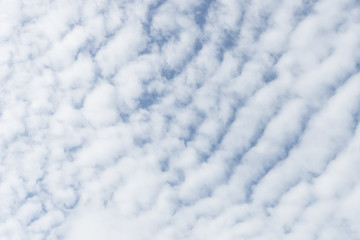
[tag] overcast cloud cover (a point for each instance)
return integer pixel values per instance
(179, 119)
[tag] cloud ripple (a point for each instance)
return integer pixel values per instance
(212, 119)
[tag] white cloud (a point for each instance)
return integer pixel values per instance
(100, 105)
(179, 119)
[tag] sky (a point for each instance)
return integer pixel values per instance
(179, 119)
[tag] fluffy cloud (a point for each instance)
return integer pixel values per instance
(179, 119)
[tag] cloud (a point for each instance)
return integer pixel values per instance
(179, 119)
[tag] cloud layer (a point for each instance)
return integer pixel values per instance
(212, 119)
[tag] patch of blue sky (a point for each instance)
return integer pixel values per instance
(164, 164)
(168, 73)
(152, 9)
(356, 119)
(142, 141)
(230, 40)
(147, 99)
(191, 133)
(201, 12)
(306, 9)
(262, 26)
(124, 116)
(270, 75)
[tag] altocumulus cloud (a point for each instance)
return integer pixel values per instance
(179, 119)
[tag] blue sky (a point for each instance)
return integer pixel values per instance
(211, 119)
